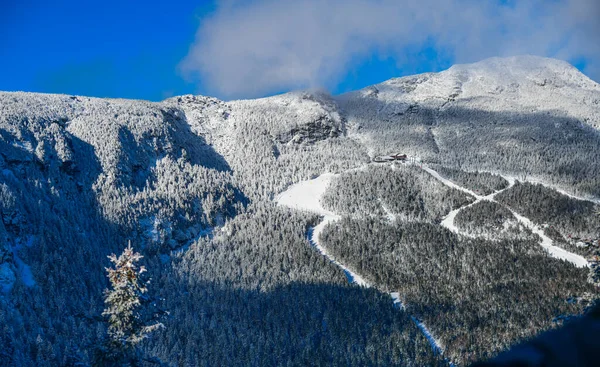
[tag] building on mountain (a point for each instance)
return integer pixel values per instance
(390, 158)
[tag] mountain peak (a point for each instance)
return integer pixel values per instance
(517, 69)
(519, 62)
(520, 84)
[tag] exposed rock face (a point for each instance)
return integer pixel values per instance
(320, 129)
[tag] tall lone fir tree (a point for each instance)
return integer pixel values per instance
(127, 326)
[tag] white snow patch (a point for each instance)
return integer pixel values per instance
(7, 277)
(24, 272)
(391, 217)
(448, 221)
(306, 195)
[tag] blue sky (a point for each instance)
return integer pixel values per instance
(252, 48)
(107, 49)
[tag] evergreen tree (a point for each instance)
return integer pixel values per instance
(127, 326)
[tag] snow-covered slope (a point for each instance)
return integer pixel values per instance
(515, 84)
(307, 196)
(520, 116)
(80, 177)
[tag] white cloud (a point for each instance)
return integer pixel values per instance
(250, 48)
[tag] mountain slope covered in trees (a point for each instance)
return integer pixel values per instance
(191, 181)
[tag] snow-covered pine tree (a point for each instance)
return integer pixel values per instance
(127, 326)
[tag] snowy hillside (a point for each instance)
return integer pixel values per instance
(522, 116)
(272, 237)
(522, 84)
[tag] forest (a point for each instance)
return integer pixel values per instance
(252, 295)
(492, 221)
(405, 191)
(567, 220)
(477, 296)
(191, 183)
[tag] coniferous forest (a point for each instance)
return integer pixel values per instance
(485, 236)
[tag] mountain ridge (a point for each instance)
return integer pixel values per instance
(193, 183)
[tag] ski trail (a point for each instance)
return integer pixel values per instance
(433, 342)
(448, 220)
(314, 236)
(546, 184)
(449, 183)
(306, 196)
(546, 242)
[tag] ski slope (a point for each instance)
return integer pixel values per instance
(306, 196)
(546, 242)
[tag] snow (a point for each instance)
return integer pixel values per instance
(546, 242)
(7, 277)
(314, 236)
(448, 220)
(391, 217)
(306, 196)
(433, 342)
(21, 268)
(24, 272)
(515, 84)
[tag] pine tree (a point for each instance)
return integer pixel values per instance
(127, 326)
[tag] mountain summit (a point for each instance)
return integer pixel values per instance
(522, 84)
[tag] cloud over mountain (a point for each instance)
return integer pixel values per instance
(251, 48)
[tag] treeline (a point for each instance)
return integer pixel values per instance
(406, 191)
(477, 296)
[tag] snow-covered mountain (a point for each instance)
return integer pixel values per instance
(522, 84)
(525, 115)
(501, 155)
